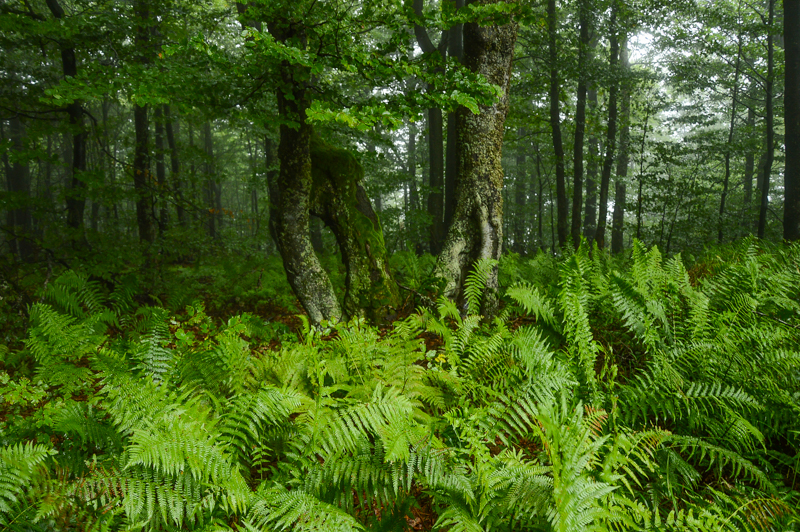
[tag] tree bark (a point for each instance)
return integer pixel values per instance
(555, 124)
(289, 214)
(611, 134)
(520, 197)
(729, 146)
(590, 209)
(623, 159)
(791, 32)
(18, 215)
(161, 169)
(747, 178)
(580, 122)
(175, 164)
(435, 142)
(770, 152)
(210, 187)
(142, 179)
(76, 196)
(477, 229)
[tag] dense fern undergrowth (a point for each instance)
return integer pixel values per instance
(609, 394)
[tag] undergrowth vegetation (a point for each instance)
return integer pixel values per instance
(607, 395)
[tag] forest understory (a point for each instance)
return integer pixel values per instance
(636, 392)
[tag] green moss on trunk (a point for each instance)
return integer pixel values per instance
(341, 202)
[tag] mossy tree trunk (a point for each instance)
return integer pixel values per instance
(341, 202)
(290, 195)
(477, 229)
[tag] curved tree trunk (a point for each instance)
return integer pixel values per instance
(477, 229)
(289, 211)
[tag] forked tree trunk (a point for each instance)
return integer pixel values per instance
(477, 229)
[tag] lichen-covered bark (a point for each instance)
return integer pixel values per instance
(341, 202)
(289, 212)
(477, 228)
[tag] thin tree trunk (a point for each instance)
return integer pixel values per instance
(456, 50)
(520, 197)
(729, 147)
(747, 178)
(555, 124)
(210, 186)
(18, 219)
(791, 31)
(435, 142)
(540, 182)
(76, 195)
(161, 169)
(175, 164)
(623, 158)
(142, 179)
(762, 215)
(590, 209)
(611, 137)
(640, 179)
(580, 123)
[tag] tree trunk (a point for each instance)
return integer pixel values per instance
(289, 212)
(623, 159)
(161, 169)
(210, 187)
(477, 229)
(76, 195)
(18, 215)
(540, 198)
(142, 179)
(520, 197)
(611, 136)
(175, 165)
(729, 146)
(590, 209)
(580, 123)
(791, 32)
(435, 142)
(762, 214)
(341, 202)
(747, 178)
(456, 50)
(555, 124)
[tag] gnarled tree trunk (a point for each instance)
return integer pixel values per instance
(341, 202)
(477, 228)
